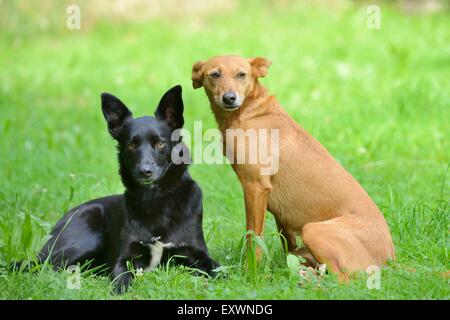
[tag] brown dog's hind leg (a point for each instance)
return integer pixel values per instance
(341, 245)
(306, 254)
(289, 239)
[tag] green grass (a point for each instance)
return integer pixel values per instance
(378, 100)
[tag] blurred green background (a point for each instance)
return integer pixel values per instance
(378, 100)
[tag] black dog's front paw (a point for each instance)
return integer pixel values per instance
(119, 289)
(213, 272)
(209, 267)
(121, 284)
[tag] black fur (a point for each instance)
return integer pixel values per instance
(160, 200)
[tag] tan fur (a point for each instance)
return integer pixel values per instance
(311, 195)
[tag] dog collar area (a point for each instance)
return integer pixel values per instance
(154, 241)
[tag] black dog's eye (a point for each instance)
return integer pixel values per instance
(132, 146)
(241, 75)
(215, 74)
(160, 144)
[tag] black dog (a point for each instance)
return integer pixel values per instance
(158, 216)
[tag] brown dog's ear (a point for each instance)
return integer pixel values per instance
(259, 66)
(197, 75)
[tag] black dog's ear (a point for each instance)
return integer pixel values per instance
(170, 108)
(115, 113)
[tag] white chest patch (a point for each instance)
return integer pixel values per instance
(156, 248)
(156, 251)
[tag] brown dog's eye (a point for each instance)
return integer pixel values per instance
(241, 75)
(132, 146)
(215, 74)
(160, 144)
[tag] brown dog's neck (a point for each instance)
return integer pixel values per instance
(225, 118)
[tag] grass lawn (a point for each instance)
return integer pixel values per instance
(378, 100)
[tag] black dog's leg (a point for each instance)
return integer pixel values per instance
(122, 277)
(199, 259)
(206, 264)
(78, 237)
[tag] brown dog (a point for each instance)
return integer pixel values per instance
(310, 195)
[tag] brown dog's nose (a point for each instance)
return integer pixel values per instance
(229, 98)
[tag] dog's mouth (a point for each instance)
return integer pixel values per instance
(146, 181)
(230, 108)
(155, 178)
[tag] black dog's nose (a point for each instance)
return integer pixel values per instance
(145, 172)
(229, 98)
